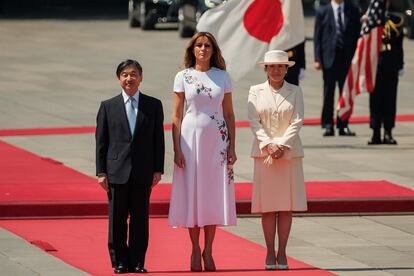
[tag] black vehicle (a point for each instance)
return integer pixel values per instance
(147, 13)
(190, 11)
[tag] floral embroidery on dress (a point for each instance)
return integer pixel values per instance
(222, 127)
(221, 124)
(223, 154)
(230, 172)
(230, 176)
(188, 78)
(199, 86)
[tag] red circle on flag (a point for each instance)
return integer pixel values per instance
(263, 19)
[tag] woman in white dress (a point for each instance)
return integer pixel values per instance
(275, 110)
(204, 149)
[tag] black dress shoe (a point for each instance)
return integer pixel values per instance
(329, 131)
(346, 132)
(375, 141)
(138, 269)
(388, 139)
(376, 137)
(120, 268)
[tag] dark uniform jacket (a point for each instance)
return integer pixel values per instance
(391, 53)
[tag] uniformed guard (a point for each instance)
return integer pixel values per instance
(297, 71)
(383, 100)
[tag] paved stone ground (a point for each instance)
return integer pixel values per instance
(56, 71)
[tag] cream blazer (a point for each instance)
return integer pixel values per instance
(276, 119)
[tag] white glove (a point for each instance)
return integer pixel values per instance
(401, 72)
(302, 73)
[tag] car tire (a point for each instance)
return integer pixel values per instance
(132, 20)
(183, 29)
(147, 19)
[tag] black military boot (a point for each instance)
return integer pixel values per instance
(388, 139)
(376, 137)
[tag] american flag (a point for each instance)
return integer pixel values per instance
(362, 72)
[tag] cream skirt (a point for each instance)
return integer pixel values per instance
(279, 186)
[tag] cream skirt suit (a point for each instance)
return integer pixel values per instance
(277, 117)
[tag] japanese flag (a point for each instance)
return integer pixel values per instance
(246, 29)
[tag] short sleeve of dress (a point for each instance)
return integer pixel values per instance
(179, 82)
(227, 83)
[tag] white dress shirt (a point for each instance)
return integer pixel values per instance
(335, 7)
(135, 103)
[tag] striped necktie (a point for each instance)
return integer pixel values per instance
(339, 28)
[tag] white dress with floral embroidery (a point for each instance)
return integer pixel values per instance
(203, 192)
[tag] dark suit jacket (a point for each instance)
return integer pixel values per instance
(118, 152)
(324, 37)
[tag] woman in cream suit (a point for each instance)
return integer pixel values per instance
(275, 110)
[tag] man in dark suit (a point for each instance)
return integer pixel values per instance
(129, 162)
(337, 28)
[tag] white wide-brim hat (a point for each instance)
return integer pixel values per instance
(276, 57)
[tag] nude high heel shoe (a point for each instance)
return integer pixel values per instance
(196, 263)
(209, 264)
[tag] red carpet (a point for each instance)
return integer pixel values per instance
(25, 176)
(32, 186)
(239, 124)
(82, 243)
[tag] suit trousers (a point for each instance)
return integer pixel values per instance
(333, 76)
(128, 243)
(383, 100)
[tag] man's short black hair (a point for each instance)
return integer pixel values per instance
(126, 63)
